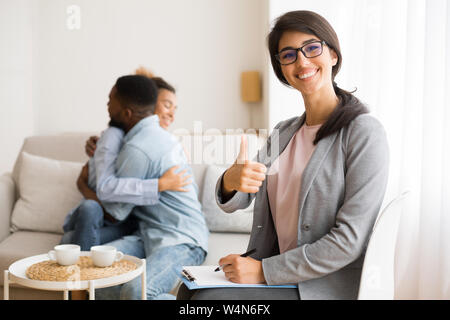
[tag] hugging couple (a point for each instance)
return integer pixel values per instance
(138, 196)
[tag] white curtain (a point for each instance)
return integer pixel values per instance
(397, 54)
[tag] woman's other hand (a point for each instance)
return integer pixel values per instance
(173, 181)
(91, 145)
(239, 269)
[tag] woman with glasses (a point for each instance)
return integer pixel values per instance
(318, 194)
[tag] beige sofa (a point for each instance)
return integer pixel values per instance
(207, 152)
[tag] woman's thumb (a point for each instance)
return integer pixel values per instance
(243, 150)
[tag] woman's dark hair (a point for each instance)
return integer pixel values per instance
(309, 22)
(163, 84)
(160, 82)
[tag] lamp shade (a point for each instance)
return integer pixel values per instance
(250, 86)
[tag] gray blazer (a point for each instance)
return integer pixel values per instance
(342, 190)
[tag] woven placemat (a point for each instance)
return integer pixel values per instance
(83, 270)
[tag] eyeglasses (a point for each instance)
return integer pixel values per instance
(310, 50)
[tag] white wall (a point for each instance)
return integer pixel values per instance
(200, 46)
(55, 79)
(16, 111)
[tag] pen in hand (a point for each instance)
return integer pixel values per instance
(242, 255)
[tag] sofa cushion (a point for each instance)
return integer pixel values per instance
(47, 192)
(23, 244)
(67, 147)
(216, 219)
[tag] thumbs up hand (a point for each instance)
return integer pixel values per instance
(242, 157)
(244, 175)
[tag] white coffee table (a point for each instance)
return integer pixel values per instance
(17, 274)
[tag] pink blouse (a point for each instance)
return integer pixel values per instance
(283, 185)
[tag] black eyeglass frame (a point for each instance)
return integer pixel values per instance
(277, 56)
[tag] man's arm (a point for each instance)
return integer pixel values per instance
(111, 188)
(131, 163)
(88, 193)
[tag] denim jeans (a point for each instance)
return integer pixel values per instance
(87, 227)
(161, 270)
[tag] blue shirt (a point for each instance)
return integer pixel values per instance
(147, 152)
(103, 180)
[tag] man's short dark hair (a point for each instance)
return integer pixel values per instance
(138, 93)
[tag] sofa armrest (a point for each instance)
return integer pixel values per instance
(7, 200)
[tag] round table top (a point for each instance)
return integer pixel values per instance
(17, 272)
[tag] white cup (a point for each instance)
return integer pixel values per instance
(104, 256)
(65, 254)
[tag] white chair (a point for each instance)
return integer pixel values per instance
(377, 278)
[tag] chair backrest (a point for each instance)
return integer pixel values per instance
(377, 278)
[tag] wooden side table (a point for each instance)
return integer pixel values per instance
(16, 273)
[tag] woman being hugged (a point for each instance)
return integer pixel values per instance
(317, 198)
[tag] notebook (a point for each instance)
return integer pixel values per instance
(199, 277)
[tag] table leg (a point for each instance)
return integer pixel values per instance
(91, 290)
(144, 280)
(66, 294)
(6, 285)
